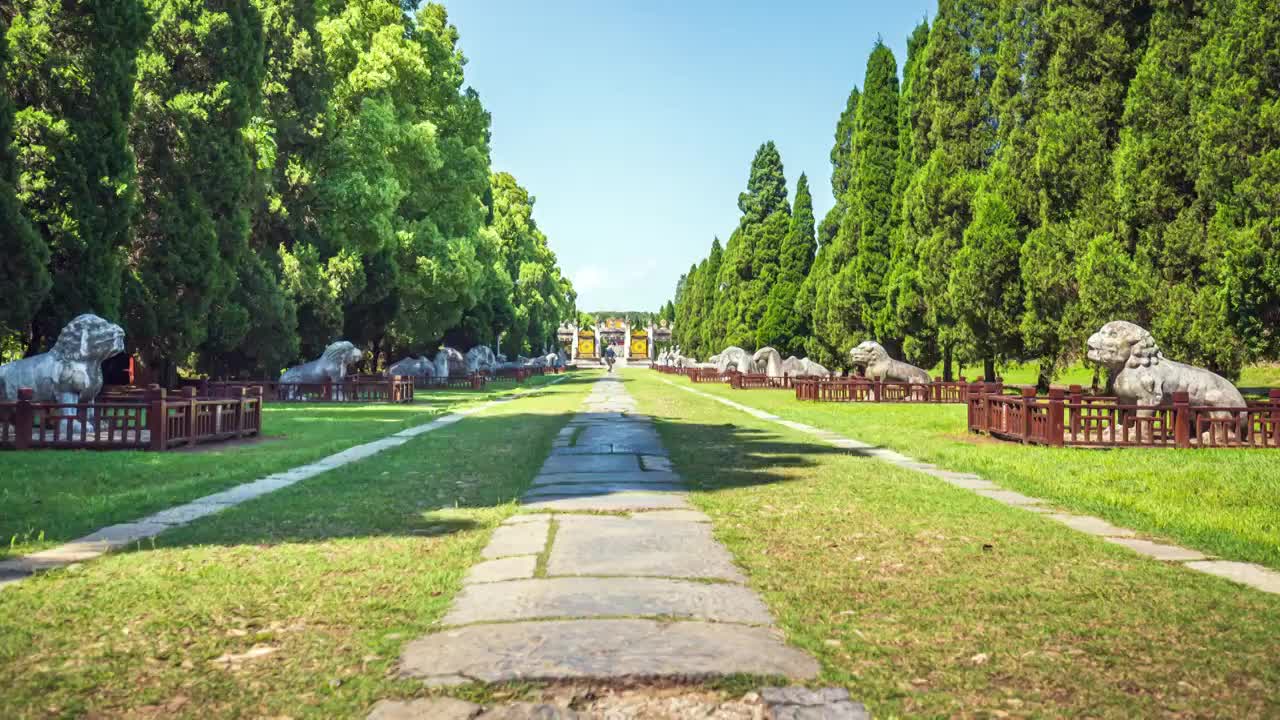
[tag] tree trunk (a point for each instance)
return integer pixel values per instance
(989, 369)
(1044, 376)
(947, 374)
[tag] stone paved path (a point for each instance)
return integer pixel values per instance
(613, 575)
(1252, 575)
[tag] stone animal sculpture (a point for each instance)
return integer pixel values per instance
(803, 367)
(551, 360)
(767, 361)
(1143, 376)
(71, 372)
(813, 369)
(733, 358)
(877, 365)
(450, 363)
(417, 367)
(330, 367)
(480, 359)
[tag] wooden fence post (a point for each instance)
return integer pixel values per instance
(157, 417)
(1076, 400)
(1181, 420)
(23, 418)
(1274, 397)
(189, 397)
(1055, 417)
(240, 394)
(1028, 403)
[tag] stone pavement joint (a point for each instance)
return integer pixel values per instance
(1252, 575)
(646, 595)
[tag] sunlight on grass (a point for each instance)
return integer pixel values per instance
(929, 601)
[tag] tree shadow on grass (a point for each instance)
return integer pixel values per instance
(726, 456)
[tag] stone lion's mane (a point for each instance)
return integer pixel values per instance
(1143, 351)
(337, 352)
(74, 343)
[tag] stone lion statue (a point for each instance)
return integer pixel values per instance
(480, 359)
(876, 364)
(450, 363)
(71, 372)
(733, 358)
(417, 367)
(768, 361)
(1143, 376)
(331, 366)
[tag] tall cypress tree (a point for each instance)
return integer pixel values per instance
(1236, 104)
(199, 82)
(877, 143)
(1094, 50)
(960, 67)
(986, 286)
(24, 279)
(783, 327)
(709, 339)
(72, 78)
(901, 320)
(750, 261)
(815, 292)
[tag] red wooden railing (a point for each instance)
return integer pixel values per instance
(150, 420)
(1070, 418)
(863, 390)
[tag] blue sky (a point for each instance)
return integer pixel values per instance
(634, 123)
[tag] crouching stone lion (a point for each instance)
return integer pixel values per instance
(1143, 376)
(331, 366)
(877, 365)
(71, 372)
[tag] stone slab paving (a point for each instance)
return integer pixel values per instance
(593, 597)
(115, 537)
(629, 649)
(633, 585)
(1252, 575)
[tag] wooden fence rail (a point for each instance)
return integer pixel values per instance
(863, 390)
(355, 388)
(149, 420)
(1072, 419)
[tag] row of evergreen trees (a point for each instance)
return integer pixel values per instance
(1041, 167)
(240, 182)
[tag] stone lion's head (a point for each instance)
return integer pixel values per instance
(1122, 344)
(866, 353)
(89, 338)
(342, 353)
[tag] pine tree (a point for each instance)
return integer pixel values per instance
(72, 80)
(815, 293)
(783, 327)
(1236, 104)
(872, 188)
(24, 279)
(901, 320)
(1093, 52)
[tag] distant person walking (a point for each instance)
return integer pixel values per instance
(609, 357)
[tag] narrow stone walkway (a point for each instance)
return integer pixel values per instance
(1252, 575)
(124, 535)
(611, 575)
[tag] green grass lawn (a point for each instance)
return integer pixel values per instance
(929, 601)
(296, 604)
(1224, 502)
(51, 496)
